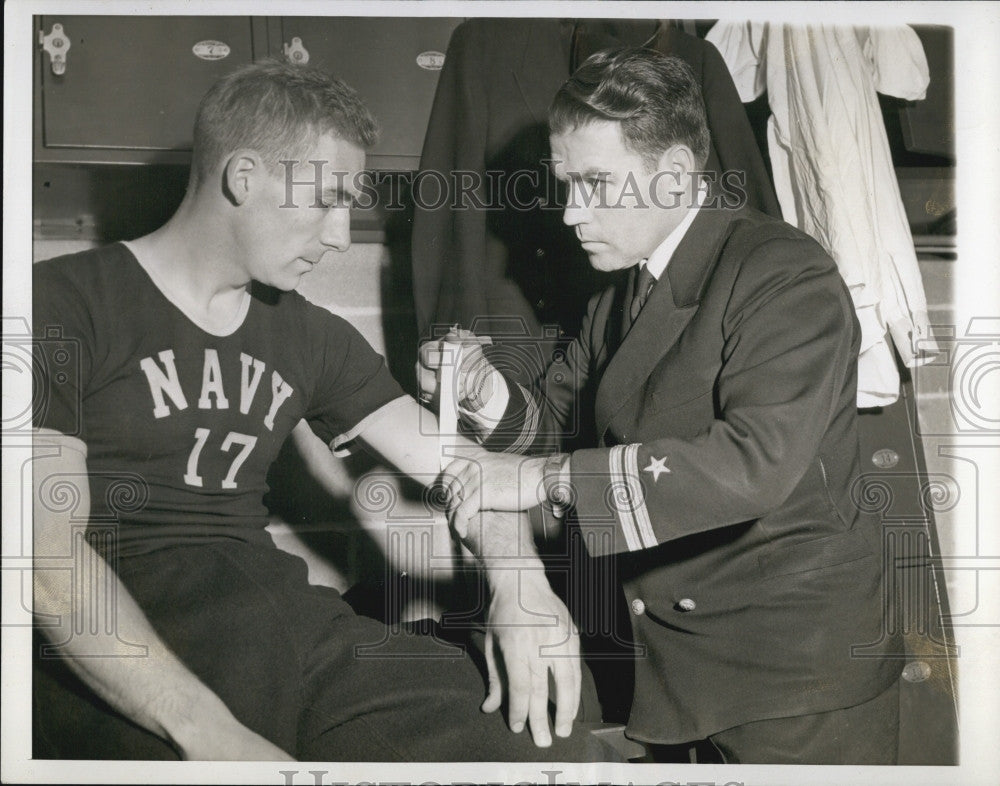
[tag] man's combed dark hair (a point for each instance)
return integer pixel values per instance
(279, 110)
(655, 98)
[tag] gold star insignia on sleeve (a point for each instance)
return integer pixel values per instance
(657, 466)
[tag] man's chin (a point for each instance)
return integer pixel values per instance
(285, 284)
(605, 263)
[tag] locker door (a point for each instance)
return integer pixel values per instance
(390, 62)
(134, 82)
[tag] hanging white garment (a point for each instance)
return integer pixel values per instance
(833, 170)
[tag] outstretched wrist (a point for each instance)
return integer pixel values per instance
(509, 577)
(503, 545)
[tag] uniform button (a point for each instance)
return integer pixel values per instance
(886, 458)
(638, 607)
(540, 253)
(916, 671)
(686, 604)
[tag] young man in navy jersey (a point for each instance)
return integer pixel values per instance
(196, 359)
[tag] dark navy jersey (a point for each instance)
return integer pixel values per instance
(180, 424)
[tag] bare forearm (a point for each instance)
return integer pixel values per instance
(93, 623)
(407, 436)
(129, 667)
(503, 544)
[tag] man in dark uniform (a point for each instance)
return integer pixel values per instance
(723, 374)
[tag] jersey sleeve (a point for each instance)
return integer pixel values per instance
(62, 349)
(354, 382)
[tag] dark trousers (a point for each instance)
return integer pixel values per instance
(867, 734)
(294, 663)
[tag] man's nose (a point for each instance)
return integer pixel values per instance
(336, 232)
(577, 210)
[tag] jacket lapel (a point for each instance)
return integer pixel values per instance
(670, 307)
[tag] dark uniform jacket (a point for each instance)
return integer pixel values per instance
(724, 478)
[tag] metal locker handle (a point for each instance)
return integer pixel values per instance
(57, 45)
(296, 53)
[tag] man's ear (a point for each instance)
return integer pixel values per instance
(239, 175)
(679, 159)
(675, 167)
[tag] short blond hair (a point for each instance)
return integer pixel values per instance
(279, 110)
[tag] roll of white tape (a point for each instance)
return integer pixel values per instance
(448, 401)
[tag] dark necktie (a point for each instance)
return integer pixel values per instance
(643, 286)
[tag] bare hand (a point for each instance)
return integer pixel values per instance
(474, 379)
(531, 630)
(493, 481)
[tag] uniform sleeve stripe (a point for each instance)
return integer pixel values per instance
(640, 511)
(530, 427)
(619, 484)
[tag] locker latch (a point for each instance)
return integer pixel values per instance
(57, 45)
(296, 53)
